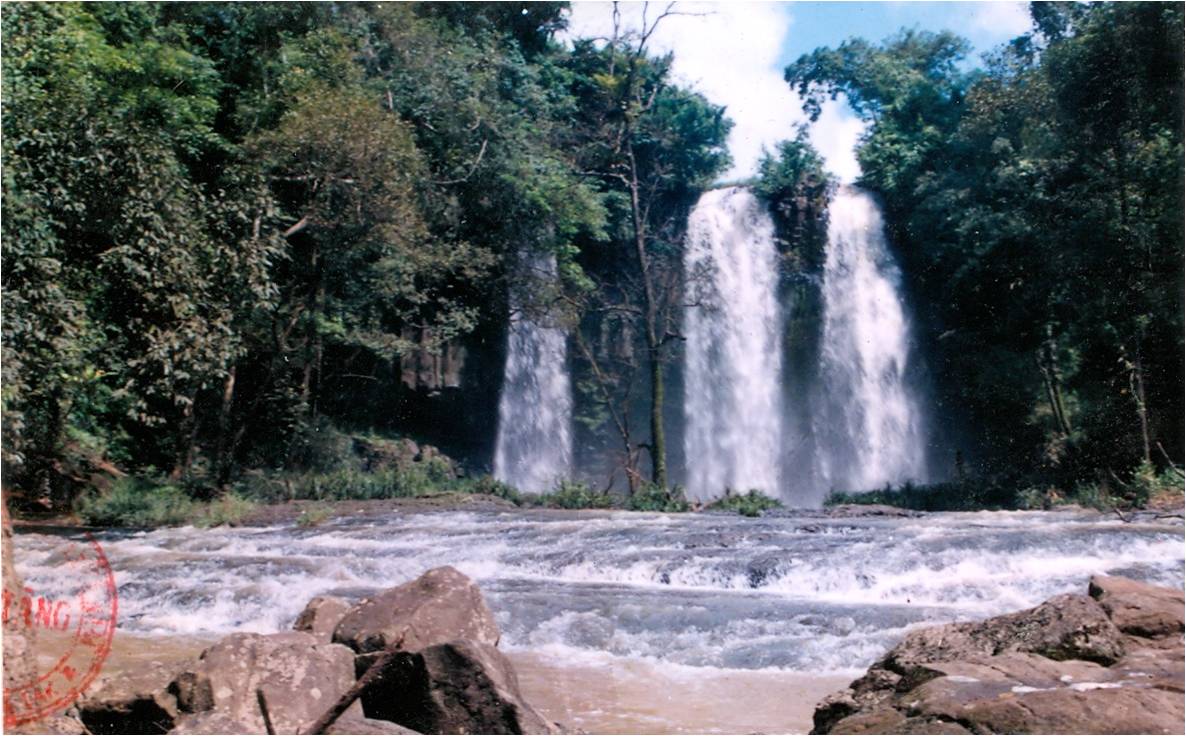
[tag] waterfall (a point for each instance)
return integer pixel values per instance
(866, 421)
(732, 404)
(534, 445)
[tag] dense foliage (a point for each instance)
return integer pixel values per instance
(1037, 206)
(234, 235)
(227, 227)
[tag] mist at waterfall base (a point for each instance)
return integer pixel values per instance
(861, 419)
(533, 448)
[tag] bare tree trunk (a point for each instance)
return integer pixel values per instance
(189, 440)
(654, 344)
(1053, 388)
(1137, 382)
(223, 457)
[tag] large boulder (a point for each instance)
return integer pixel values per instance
(439, 606)
(1110, 662)
(357, 725)
(135, 702)
(1064, 627)
(457, 687)
(291, 676)
(321, 616)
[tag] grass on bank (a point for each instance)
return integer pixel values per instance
(149, 502)
(142, 502)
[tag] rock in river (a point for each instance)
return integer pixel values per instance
(439, 606)
(458, 687)
(321, 616)
(290, 676)
(1107, 662)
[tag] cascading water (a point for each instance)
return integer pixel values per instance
(534, 445)
(732, 405)
(867, 425)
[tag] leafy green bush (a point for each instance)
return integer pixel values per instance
(144, 502)
(653, 497)
(348, 484)
(344, 484)
(230, 509)
(750, 504)
(487, 486)
(967, 495)
(314, 515)
(570, 494)
(1091, 496)
(137, 502)
(1148, 484)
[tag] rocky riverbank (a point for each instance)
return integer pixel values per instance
(610, 622)
(1110, 661)
(422, 657)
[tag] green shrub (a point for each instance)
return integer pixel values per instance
(967, 495)
(345, 484)
(321, 447)
(570, 494)
(1148, 484)
(135, 501)
(486, 485)
(653, 497)
(147, 502)
(750, 504)
(230, 509)
(314, 515)
(1091, 496)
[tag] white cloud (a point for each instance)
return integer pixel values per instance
(730, 54)
(835, 136)
(1005, 19)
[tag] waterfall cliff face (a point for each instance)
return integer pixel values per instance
(534, 444)
(866, 421)
(733, 430)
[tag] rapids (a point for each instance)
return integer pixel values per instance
(795, 590)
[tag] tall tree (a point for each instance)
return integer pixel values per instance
(654, 147)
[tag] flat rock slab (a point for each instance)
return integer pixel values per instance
(1107, 662)
(1138, 608)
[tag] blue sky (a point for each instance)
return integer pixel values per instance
(735, 53)
(815, 24)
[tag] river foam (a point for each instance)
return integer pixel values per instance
(794, 591)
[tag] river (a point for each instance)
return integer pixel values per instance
(632, 622)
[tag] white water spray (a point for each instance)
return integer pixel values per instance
(534, 445)
(867, 424)
(732, 404)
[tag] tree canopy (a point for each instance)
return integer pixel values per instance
(1036, 204)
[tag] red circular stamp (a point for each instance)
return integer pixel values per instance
(78, 621)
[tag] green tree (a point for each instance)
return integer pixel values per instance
(653, 147)
(1036, 206)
